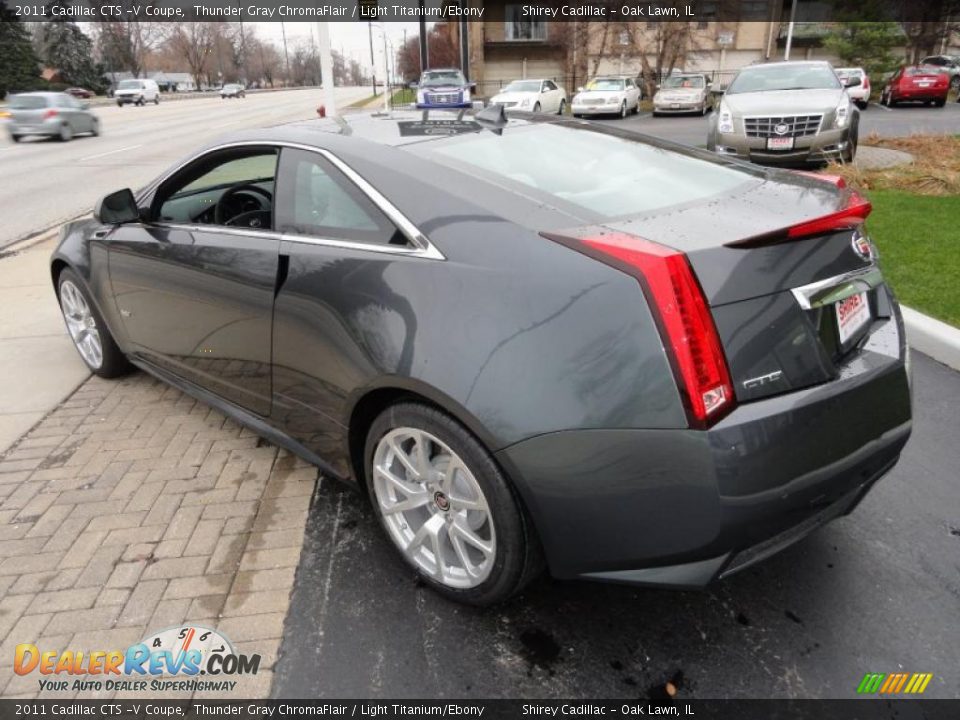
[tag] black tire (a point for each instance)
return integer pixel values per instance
(562, 108)
(940, 103)
(623, 109)
(95, 128)
(114, 363)
(156, 100)
(66, 133)
(15, 138)
(119, 104)
(536, 107)
(519, 558)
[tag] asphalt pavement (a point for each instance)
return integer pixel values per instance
(877, 591)
(890, 122)
(46, 182)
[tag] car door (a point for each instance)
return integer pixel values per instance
(194, 282)
(633, 94)
(552, 95)
(78, 118)
(340, 317)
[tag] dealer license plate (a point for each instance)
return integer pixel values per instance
(780, 143)
(852, 314)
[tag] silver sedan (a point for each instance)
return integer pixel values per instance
(51, 114)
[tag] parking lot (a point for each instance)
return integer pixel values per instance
(130, 507)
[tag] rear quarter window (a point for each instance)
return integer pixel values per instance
(603, 174)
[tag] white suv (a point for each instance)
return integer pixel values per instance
(137, 92)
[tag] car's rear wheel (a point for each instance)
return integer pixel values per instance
(119, 104)
(66, 132)
(447, 507)
(562, 108)
(156, 100)
(87, 329)
(15, 138)
(941, 102)
(95, 128)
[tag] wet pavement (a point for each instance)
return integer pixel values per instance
(877, 591)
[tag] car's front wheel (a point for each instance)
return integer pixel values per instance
(87, 329)
(447, 507)
(623, 109)
(536, 107)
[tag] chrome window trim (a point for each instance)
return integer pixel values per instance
(837, 288)
(422, 247)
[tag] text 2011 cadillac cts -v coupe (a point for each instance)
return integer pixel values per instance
(528, 341)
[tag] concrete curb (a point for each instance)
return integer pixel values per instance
(932, 337)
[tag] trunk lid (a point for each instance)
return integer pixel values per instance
(775, 299)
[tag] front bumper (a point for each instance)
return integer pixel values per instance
(595, 109)
(128, 99)
(824, 146)
(682, 508)
(678, 107)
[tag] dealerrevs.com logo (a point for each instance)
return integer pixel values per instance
(170, 660)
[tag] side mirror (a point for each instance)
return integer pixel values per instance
(580, 89)
(117, 208)
(852, 82)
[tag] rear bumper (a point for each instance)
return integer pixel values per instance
(921, 95)
(681, 508)
(46, 128)
(595, 109)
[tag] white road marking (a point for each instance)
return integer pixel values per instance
(111, 152)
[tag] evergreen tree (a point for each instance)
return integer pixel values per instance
(64, 46)
(867, 44)
(19, 68)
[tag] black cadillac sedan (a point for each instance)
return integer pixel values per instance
(530, 342)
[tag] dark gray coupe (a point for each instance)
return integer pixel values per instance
(529, 341)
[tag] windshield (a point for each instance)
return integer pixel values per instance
(129, 85)
(683, 82)
(924, 70)
(784, 77)
(607, 175)
(523, 86)
(844, 73)
(605, 84)
(27, 102)
(442, 77)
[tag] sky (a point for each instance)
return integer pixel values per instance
(350, 38)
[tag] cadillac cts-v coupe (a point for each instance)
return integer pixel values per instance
(627, 360)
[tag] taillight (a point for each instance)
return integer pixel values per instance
(683, 317)
(866, 82)
(856, 211)
(49, 114)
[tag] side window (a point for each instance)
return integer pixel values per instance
(548, 85)
(230, 188)
(317, 200)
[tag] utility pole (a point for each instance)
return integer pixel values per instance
(373, 66)
(286, 55)
(424, 50)
(326, 69)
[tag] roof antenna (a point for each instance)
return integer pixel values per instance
(492, 118)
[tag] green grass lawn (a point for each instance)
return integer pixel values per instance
(919, 241)
(406, 96)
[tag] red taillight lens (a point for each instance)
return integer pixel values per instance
(49, 114)
(866, 83)
(856, 211)
(684, 318)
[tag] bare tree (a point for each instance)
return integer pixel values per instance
(123, 45)
(195, 43)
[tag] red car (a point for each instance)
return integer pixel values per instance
(916, 83)
(79, 92)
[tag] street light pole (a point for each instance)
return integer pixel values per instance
(326, 68)
(286, 55)
(793, 14)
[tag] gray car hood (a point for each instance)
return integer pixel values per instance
(784, 102)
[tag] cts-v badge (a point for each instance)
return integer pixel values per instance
(756, 382)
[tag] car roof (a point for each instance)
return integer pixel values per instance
(39, 93)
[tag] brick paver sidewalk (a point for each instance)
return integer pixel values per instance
(132, 508)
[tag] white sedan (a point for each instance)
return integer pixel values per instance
(607, 96)
(532, 96)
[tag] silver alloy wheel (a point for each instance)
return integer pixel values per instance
(81, 324)
(433, 508)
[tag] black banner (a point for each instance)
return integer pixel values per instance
(865, 709)
(699, 11)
